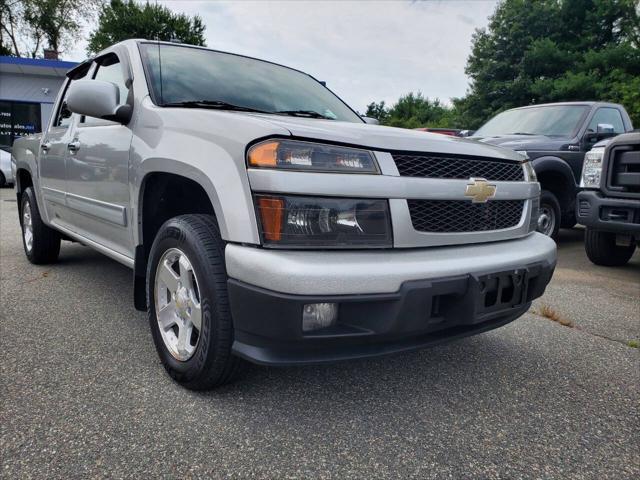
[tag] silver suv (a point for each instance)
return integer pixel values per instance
(264, 219)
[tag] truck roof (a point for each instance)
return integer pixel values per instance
(588, 103)
(137, 41)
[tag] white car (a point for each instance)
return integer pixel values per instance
(6, 175)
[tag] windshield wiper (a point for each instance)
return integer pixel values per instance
(303, 113)
(216, 104)
(522, 133)
(220, 105)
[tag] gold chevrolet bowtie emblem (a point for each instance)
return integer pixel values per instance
(480, 190)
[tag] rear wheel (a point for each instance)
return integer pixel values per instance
(188, 304)
(3, 180)
(602, 249)
(549, 215)
(41, 243)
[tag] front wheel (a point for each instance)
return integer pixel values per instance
(188, 305)
(602, 249)
(549, 215)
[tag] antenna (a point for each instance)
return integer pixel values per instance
(159, 58)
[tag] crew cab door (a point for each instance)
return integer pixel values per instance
(52, 157)
(97, 170)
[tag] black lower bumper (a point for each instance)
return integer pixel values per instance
(268, 325)
(617, 215)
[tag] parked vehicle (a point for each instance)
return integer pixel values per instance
(555, 137)
(6, 175)
(265, 220)
(609, 203)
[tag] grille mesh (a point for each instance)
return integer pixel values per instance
(435, 166)
(452, 216)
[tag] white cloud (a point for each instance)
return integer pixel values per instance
(365, 50)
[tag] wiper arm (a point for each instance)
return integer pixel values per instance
(215, 104)
(220, 105)
(522, 133)
(303, 113)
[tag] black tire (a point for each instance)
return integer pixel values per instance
(3, 180)
(212, 364)
(568, 219)
(602, 250)
(550, 207)
(45, 246)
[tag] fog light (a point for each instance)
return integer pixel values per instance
(319, 315)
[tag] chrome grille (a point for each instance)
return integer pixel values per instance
(449, 216)
(439, 166)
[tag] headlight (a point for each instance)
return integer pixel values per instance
(295, 221)
(296, 155)
(592, 168)
(530, 173)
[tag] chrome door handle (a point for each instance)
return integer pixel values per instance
(45, 147)
(73, 146)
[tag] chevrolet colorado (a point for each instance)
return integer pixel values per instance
(265, 220)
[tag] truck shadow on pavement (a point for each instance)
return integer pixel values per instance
(437, 370)
(522, 392)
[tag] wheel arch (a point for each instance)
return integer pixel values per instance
(153, 207)
(23, 179)
(555, 175)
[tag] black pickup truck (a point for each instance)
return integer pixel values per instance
(556, 137)
(609, 202)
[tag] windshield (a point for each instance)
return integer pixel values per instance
(555, 120)
(225, 81)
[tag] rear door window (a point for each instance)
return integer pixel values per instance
(63, 114)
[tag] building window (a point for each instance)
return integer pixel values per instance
(18, 119)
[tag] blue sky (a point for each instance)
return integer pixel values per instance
(364, 50)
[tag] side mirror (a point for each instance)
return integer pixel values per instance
(466, 133)
(370, 120)
(95, 98)
(604, 128)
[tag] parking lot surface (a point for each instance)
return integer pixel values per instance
(84, 395)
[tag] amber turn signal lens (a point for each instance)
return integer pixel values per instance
(271, 213)
(264, 155)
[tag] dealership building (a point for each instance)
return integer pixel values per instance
(28, 89)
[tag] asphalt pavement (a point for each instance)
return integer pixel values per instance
(83, 393)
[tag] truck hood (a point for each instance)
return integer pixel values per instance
(524, 142)
(378, 137)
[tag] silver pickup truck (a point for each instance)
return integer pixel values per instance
(265, 220)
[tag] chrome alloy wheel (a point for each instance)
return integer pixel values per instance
(27, 226)
(177, 301)
(546, 220)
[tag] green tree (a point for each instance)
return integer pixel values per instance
(554, 50)
(377, 110)
(25, 25)
(120, 20)
(413, 110)
(59, 20)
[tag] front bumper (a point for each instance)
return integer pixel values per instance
(389, 301)
(608, 214)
